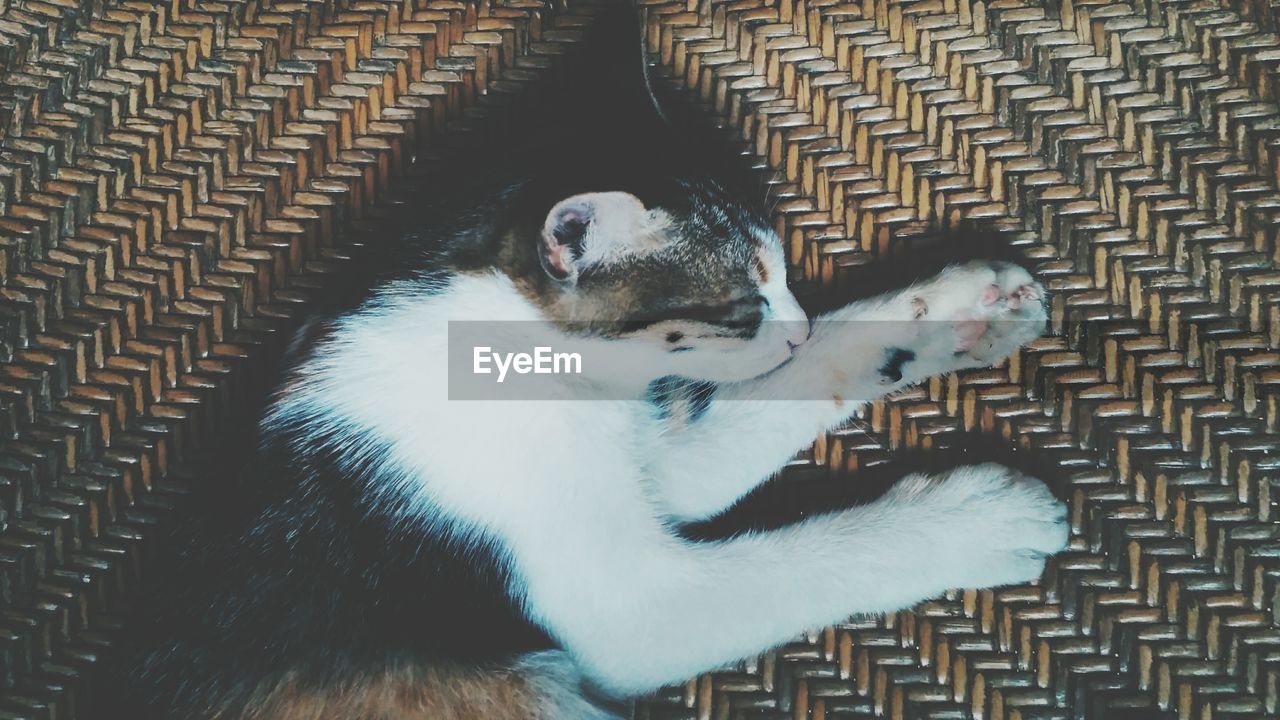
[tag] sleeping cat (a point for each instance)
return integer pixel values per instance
(395, 553)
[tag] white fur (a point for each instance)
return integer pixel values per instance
(580, 493)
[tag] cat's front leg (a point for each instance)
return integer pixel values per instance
(970, 315)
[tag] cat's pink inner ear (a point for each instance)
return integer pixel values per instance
(595, 225)
(563, 234)
(557, 259)
(556, 262)
(567, 225)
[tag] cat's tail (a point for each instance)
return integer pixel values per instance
(540, 686)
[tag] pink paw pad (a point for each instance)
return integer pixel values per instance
(1014, 299)
(1023, 294)
(968, 332)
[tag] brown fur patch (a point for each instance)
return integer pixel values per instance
(418, 693)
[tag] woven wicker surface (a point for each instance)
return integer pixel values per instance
(177, 178)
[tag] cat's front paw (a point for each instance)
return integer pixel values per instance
(977, 314)
(984, 525)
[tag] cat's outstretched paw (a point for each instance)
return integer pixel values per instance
(984, 525)
(977, 314)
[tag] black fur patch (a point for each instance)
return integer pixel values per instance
(674, 396)
(892, 368)
(295, 567)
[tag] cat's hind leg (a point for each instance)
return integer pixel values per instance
(639, 608)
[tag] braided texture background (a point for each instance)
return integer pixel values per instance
(178, 177)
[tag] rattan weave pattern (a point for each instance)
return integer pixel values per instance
(177, 177)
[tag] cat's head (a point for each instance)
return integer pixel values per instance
(693, 286)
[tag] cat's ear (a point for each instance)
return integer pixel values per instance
(588, 226)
